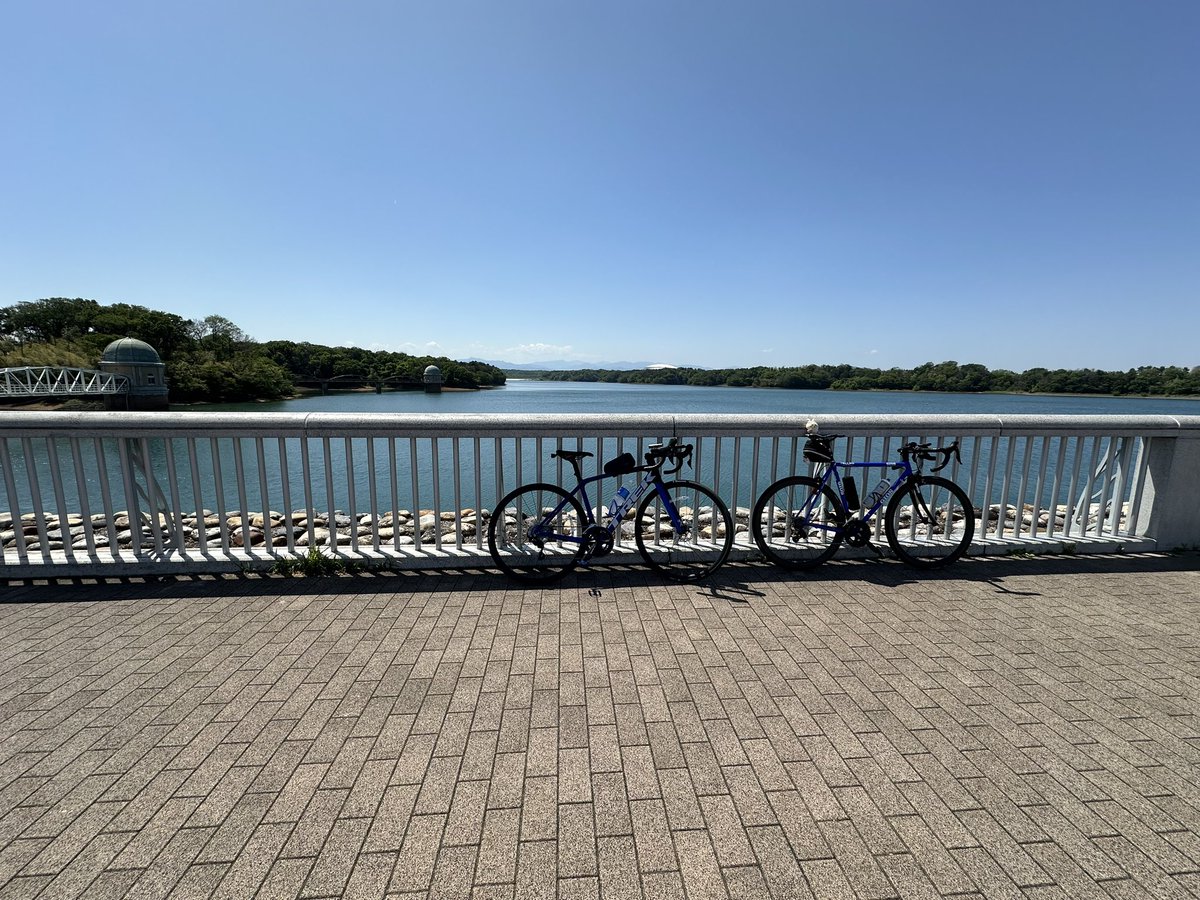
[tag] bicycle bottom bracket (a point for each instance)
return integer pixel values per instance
(857, 533)
(597, 542)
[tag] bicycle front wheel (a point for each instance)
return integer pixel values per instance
(797, 522)
(683, 530)
(535, 533)
(929, 522)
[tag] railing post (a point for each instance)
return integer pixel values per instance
(1169, 512)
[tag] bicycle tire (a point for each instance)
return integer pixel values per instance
(705, 542)
(534, 562)
(789, 539)
(934, 540)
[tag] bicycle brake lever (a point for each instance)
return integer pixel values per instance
(686, 458)
(946, 453)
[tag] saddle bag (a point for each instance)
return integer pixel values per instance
(621, 465)
(818, 449)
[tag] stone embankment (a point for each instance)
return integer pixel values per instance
(258, 530)
(253, 529)
(399, 529)
(1028, 515)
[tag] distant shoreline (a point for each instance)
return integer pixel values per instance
(75, 405)
(760, 387)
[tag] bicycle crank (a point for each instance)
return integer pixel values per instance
(597, 542)
(856, 533)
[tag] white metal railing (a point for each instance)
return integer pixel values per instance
(59, 381)
(92, 492)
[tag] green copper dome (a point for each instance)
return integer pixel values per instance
(130, 350)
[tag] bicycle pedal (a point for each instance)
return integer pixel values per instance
(874, 549)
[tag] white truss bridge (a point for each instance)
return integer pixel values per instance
(59, 381)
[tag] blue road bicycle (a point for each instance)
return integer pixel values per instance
(799, 522)
(540, 532)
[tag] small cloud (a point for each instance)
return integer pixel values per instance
(539, 351)
(767, 350)
(410, 347)
(872, 352)
(402, 347)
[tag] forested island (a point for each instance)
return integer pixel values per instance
(209, 360)
(943, 376)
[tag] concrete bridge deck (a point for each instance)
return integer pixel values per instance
(1008, 728)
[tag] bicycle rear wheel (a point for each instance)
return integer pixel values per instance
(702, 542)
(797, 522)
(929, 522)
(529, 541)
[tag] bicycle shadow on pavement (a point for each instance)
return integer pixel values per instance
(737, 582)
(992, 570)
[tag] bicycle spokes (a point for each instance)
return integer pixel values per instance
(535, 533)
(683, 530)
(930, 522)
(797, 523)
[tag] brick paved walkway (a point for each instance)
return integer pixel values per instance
(1010, 728)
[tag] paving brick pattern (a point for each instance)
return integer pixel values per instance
(1008, 728)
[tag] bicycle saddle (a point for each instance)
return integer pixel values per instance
(571, 455)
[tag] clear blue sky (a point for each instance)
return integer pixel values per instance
(711, 183)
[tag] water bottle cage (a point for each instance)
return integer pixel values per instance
(620, 503)
(878, 493)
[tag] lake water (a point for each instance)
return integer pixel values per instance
(521, 396)
(418, 481)
(526, 396)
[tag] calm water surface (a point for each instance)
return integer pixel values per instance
(418, 481)
(523, 396)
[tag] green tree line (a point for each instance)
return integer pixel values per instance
(944, 376)
(207, 360)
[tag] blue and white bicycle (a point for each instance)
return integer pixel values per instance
(799, 522)
(540, 532)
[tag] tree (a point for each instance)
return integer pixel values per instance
(217, 326)
(218, 335)
(45, 321)
(167, 333)
(973, 378)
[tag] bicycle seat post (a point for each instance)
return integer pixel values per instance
(576, 465)
(573, 457)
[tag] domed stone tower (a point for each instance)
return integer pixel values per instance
(140, 363)
(433, 380)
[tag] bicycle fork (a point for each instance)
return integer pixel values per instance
(680, 527)
(921, 510)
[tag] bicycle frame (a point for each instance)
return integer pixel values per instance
(799, 521)
(540, 531)
(832, 477)
(653, 478)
